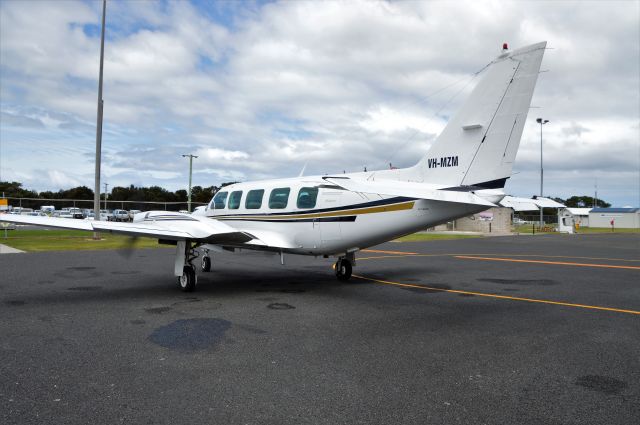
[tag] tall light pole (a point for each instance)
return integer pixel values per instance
(541, 122)
(96, 193)
(190, 156)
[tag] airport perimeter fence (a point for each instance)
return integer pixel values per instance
(535, 218)
(36, 203)
(530, 223)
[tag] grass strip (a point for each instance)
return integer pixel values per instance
(70, 240)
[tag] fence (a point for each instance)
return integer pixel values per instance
(548, 219)
(36, 203)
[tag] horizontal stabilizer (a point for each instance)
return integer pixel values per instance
(408, 189)
(527, 204)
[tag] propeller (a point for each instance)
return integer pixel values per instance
(128, 247)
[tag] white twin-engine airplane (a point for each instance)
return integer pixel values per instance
(463, 173)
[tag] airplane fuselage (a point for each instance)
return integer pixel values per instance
(318, 218)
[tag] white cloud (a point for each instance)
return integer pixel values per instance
(214, 155)
(387, 120)
(61, 179)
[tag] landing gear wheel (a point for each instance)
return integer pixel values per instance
(187, 281)
(206, 264)
(343, 269)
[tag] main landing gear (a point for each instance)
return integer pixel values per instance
(184, 269)
(344, 266)
(187, 280)
(205, 265)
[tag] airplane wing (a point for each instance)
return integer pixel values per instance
(63, 223)
(268, 239)
(154, 224)
(407, 189)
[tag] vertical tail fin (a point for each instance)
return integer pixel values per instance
(479, 144)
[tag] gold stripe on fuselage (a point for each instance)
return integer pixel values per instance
(370, 210)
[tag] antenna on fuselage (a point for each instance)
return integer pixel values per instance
(304, 167)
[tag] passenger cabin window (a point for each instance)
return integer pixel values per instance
(307, 197)
(220, 200)
(234, 200)
(254, 199)
(279, 198)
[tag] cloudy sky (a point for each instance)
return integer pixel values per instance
(259, 89)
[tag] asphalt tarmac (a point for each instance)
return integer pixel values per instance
(503, 330)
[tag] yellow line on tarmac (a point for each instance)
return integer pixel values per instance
(556, 263)
(502, 297)
(390, 252)
(560, 256)
(385, 256)
(400, 254)
(404, 256)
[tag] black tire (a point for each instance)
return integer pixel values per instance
(206, 264)
(343, 269)
(187, 281)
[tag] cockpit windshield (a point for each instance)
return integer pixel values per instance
(219, 201)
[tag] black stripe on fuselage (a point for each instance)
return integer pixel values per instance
(342, 218)
(169, 219)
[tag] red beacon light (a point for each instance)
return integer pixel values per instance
(505, 46)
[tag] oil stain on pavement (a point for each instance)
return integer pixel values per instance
(538, 282)
(603, 384)
(280, 306)
(191, 335)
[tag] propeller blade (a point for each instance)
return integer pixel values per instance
(128, 247)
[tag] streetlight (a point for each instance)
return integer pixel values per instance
(190, 156)
(541, 122)
(96, 193)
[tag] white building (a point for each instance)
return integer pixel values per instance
(626, 218)
(572, 218)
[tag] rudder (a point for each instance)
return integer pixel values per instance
(479, 144)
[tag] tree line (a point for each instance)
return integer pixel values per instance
(583, 202)
(131, 197)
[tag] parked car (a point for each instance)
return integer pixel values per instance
(48, 209)
(132, 213)
(106, 215)
(64, 213)
(21, 211)
(517, 221)
(76, 213)
(120, 215)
